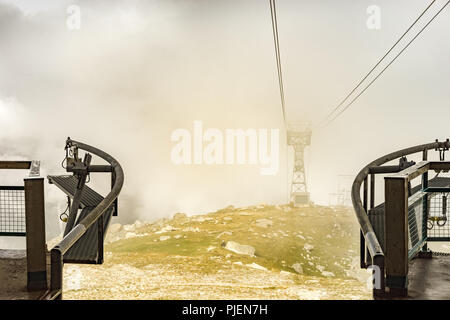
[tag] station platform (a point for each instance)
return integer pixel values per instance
(429, 279)
(13, 276)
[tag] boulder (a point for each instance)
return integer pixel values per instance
(129, 227)
(191, 229)
(264, 223)
(165, 229)
(138, 224)
(256, 266)
(298, 268)
(129, 235)
(179, 216)
(115, 227)
(327, 274)
(164, 238)
(240, 248)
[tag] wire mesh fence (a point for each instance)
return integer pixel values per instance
(437, 224)
(12, 211)
(416, 223)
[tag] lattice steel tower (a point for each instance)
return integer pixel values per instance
(299, 137)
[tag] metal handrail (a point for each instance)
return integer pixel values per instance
(373, 245)
(80, 229)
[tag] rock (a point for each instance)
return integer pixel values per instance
(178, 236)
(264, 223)
(114, 228)
(129, 227)
(160, 222)
(138, 224)
(210, 248)
(228, 218)
(327, 274)
(308, 247)
(245, 213)
(179, 216)
(256, 266)
(240, 248)
(238, 263)
(164, 238)
(283, 234)
(165, 229)
(129, 235)
(298, 268)
(191, 229)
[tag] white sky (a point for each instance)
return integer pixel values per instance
(33, 7)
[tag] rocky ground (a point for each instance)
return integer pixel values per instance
(259, 252)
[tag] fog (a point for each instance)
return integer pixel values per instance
(138, 70)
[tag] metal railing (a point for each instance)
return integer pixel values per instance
(437, 224)
(417, 220)
(371, 251)
(12, 203)
(12, 211)
(80, 229)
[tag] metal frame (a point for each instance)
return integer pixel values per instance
(299, 137)
(34, 224)
(95, 216)
(13, 234)
(370, 245)
(17, 165)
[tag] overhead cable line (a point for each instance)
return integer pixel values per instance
(390, 63)
(379, 62)
(273, 13)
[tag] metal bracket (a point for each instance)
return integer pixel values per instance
(442, 151)
(82, 175)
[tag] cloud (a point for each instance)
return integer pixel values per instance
(138, 70)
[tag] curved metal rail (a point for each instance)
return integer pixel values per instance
(80, 229)
(373, 245)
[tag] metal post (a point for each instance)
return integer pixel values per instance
(379, 262)
(100, 240)
(372, 191)
(77, 197)
(56, 281)
(396, 235)
(369, 194)
(362, 242)
(35, 234)
(116, 202)
(425, 211)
